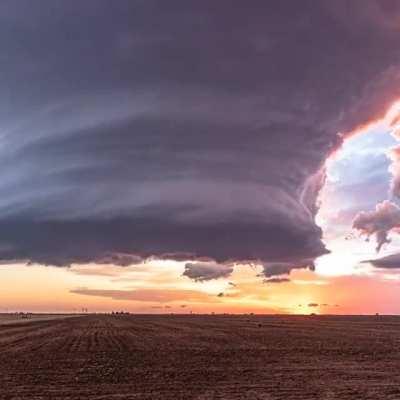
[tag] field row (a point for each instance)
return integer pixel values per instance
(201, 357)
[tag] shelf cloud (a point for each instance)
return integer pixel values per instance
(159, 129)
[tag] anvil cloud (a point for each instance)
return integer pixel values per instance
(152, 128)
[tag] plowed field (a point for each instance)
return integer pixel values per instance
(201, 357)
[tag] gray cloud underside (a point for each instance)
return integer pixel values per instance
(202, 271)
(284, 268)
(389, 262)
(180, 127)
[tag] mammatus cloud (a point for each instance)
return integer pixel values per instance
(186, 140)
(207, 271)
(384, 219)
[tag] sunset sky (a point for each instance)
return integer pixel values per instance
(183, 156)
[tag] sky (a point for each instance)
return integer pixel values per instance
(205, 156)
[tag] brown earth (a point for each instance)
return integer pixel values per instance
(6, 319)
(201, 357)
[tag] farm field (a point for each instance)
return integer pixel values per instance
(201, 357)
(14, 318)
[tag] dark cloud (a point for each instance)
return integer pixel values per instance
(388, 262)
(283, 268)
(276, 280)
(379, 223)
(120, 259)
(207, 271)
(197, 128)
(312, 305)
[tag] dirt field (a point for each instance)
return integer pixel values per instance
(6, 319)
(201, 357)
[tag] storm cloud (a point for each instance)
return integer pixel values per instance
(150, 128)
(207, 271)
(283, 268)
(389, 262)
(379, 223)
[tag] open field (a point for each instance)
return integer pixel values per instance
(201, 357)
(6, 318)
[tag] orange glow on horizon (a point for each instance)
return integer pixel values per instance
(306, 292)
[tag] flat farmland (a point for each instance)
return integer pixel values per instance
(201, 357)
(6, 319)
